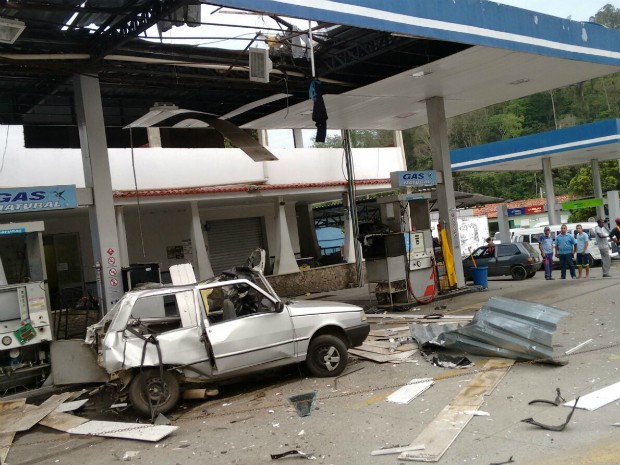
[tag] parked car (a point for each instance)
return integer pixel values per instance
(156, 341)
(519, 260)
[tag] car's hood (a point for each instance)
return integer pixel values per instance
(313, 307)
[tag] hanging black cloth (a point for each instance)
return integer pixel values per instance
(319, 112)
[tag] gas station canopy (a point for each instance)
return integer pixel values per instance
(378, 61)
(564, 147)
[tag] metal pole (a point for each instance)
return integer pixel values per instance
(346, 144)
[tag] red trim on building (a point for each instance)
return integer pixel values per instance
(240, 188)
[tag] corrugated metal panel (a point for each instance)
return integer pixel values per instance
(232, 241)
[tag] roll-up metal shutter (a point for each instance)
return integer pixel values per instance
(232, 241)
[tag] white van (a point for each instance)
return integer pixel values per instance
(531, 236)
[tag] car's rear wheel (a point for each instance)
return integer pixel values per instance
(590, 260)
(327, 356)
(518, 273)
(149, 391)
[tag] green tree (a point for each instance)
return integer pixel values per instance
(608, 16)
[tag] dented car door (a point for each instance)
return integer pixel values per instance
(246, 326)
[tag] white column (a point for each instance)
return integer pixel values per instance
(154, 136)
(614, 207)
(298, 139)
(438, 129)
(554, 218)
(598, 187)
(285, 258)
(502, 222)
(96, 165)
(263, 137)
(201, 258)
(349, 236)
(399, 142)
(122, 236)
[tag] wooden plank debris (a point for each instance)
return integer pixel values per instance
(71, 406)
(410, 391)
(447, 425)
(22, 421)
(386, 350)
(383, 358)
(59, 420)
(597, 399)
(119, 430)
(6, 439)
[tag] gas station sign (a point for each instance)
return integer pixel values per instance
(413, 178)
(41, 198)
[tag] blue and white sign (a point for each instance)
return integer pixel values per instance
(8, 232)
(515, 211)
(41, 198)
(413, 178)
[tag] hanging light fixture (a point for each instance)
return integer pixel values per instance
(10, 30)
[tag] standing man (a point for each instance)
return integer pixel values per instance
(582, 254)
(565, 247)
(545, 244)
(602, 238)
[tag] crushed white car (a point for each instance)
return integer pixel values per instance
(156, 341)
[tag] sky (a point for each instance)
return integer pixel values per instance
(578, 10)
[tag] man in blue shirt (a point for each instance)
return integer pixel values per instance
(565, 247)
(582, 255)
(545, 244)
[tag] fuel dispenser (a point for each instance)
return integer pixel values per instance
(25, 323)
(401, 262)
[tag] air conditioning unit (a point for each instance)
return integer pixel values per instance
(260, 65)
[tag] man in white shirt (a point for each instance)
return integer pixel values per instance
(602, 242)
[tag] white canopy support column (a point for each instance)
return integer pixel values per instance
(122, 236)
(552, 213)
(201, 258)
(298, 139)
(349, 235)
(285, 257)
(598, 187)
(96, 165)
(613, 204)
(438, 129)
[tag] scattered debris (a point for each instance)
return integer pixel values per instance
(71, 406)
(13, 420)
(391, 357)
(237, 420)
(119, 405)
(130, 454)
(301, 433)
(504, 463)
(436, 436)
(303, 403)
(477, 413)
(296, 453)
(508, 328)
(345, 374)
(161, 419)
(561, 427)
(112, 429)
(577, 347)
(597, 399)
(449, 361)
(6, 439)
(558, 399)
(410, 391)
(428, 333)
(396, 450)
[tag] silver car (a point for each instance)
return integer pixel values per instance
(155, 341)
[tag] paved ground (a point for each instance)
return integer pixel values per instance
(252, 419)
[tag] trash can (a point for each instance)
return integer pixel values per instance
(480, 276)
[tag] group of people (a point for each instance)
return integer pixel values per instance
(565, 246)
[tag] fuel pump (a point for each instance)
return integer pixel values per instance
(401, 261)
(25, 323)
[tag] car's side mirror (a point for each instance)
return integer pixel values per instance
(279, 307)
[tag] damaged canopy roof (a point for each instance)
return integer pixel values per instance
(503, 327)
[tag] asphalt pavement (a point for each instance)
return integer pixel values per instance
(252, 419)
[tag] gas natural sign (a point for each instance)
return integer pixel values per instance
(40, 198)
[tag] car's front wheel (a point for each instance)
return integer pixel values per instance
(518, 273)
(149, 391)
(531, 275)
(327, 356)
